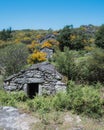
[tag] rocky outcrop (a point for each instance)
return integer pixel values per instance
(11, 119)
(43, 74)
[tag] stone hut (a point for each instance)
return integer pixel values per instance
(47, 37)
(48, 51)
(41, 78)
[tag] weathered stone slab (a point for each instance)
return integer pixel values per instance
(35, 80)
(60, 86)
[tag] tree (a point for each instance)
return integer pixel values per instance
(96, 65)
(13, 58)
(90, 66)
(64, 37)
(99, 41)
(6, 34)
(65, 62)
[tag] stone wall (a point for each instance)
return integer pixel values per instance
(44, 74)
(48, 51)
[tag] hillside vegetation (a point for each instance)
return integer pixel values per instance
(78, 55)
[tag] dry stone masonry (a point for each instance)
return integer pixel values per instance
(41, 78)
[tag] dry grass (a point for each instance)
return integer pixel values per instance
(66, 121)
(91, 124)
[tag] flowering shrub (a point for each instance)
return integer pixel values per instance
(88, 48)
(72, 37)
(34, 45)
(36, 57)
(47, 44)
(38, 36)
(53, 42)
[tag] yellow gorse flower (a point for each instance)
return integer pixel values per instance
(72, 37)
(46, 44)
(36, 57)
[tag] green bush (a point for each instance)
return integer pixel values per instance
(85, 100)
(90, 68)
(60, 101)
(99, 41)
(64, 62)
(19, 96)
(64, 37)
(6, 99)
(30, 105)
(80, 66)
(42, 103)
(11, 98)
(13, 58)
(6, 34)
(81, 99)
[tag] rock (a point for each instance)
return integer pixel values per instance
(58, 76)
(35, 80)
(60, 86)
(9, 109)
(68, 118)
(20, 80)
(11, 119)
(78, 128)
(10, 88)
(29, 75)
(78, 119)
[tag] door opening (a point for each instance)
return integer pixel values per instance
(32, 89)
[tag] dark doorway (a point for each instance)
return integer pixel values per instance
(32, 89)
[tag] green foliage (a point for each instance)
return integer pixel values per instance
(99, 41)
(30, 105)
(81, 66)
(6, 99)
(76, 39)
(42, 103)
(60, 101)
(13, 58)
(77, 43)
(85, 100)
(64, 37)
(81, 99)
(91, 66)
(96, 65)
(11, 98)
(6, 34)
(65, 62)
(19, 96)
(27, 36)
